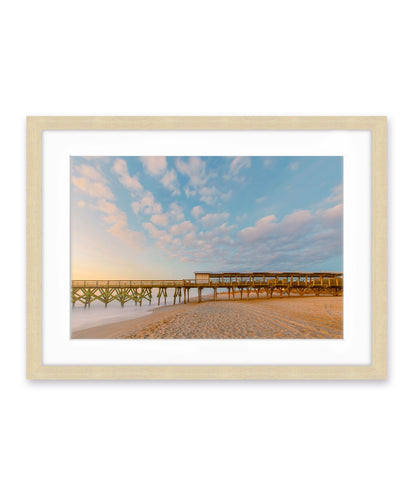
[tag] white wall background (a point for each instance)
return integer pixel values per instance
(157, 439)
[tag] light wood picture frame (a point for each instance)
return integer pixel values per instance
(376, 125)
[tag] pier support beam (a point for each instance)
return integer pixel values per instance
(199, 295)
(162, 292)
(178, 293)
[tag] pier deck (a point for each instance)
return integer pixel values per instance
(282, 283)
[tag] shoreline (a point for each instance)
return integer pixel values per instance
(287, 317)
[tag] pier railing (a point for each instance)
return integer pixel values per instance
(127, 284)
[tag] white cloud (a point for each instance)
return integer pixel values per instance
(293, 166)
(190, 239)
(163, 238)
(153, 231)
(91, 172)
(224, 229)
(212, 219)
(194, 169)
(94, 183)
(295, 222)
(154, 165)
(160, 219)
(81, 204)
(219, 235)
(197, 211)
(132, 238)
(205, 245)
(93, 189)
(333, 215)
(157, 167)
(147, 204)
(182, 228)
(264, 226)
(176, 212)
(302, 240)
(129, 182)
(336, 195)
(210, 195)
(136, 207)
(237, 164)
(261, 200)
(118, 226)
(170, 181)
(190, 192)
(106, 207)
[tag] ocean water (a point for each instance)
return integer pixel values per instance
(98, 315)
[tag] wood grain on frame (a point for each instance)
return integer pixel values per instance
(37, 124)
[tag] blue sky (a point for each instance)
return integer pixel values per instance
(165, 217)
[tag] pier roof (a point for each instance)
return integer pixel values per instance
(265, 274)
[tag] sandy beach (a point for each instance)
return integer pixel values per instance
(288, 317)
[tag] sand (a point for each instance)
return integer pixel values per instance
(287, 317)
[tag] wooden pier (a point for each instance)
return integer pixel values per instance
(234, 284)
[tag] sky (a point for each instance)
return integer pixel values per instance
(166, 217)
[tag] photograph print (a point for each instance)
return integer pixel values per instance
(213, 247)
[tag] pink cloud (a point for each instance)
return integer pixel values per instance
(212, 219)
(93, 189)
(155, 165)
(263, 227)
(182, 228)
(147, 204)
(170, 181)
(333, 215)
(295, 222)
(129, 182)
(160, 219)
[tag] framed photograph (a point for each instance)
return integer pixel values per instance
(206, 247)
